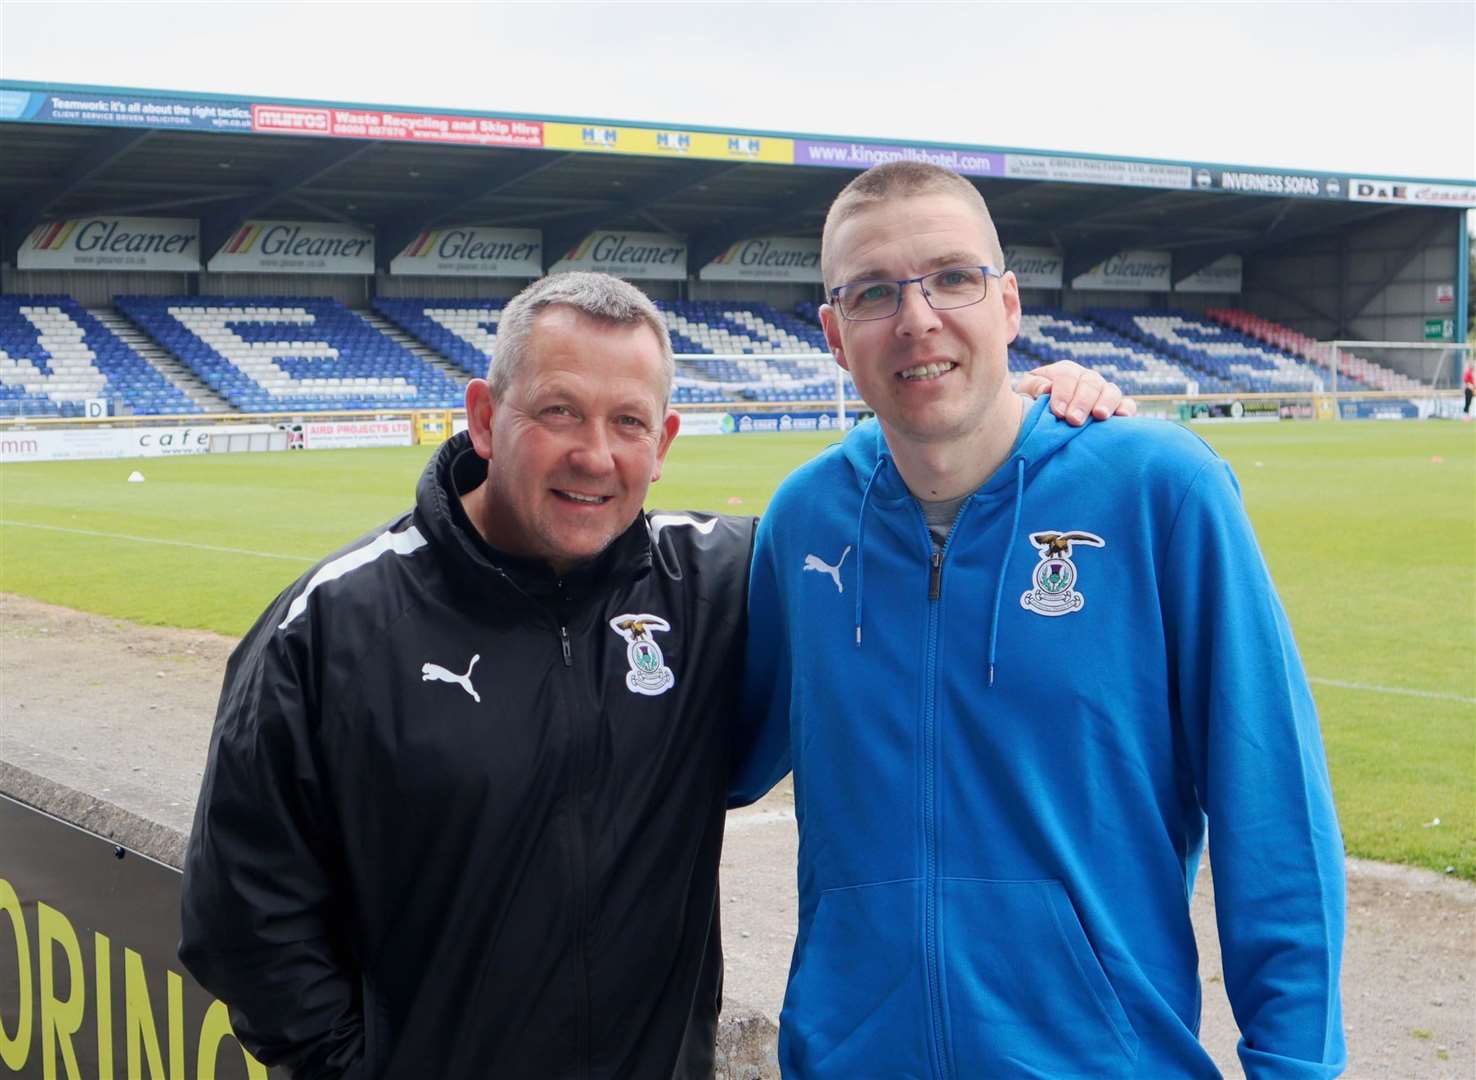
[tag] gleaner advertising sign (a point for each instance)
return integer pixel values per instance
(1034, 267)
(472, 251)
(297, 247)
(1222, 275)
(1129, 271)
(112, 243)
(648, 256)
(767, 258)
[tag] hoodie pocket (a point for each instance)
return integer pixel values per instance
(857, 1001)
(1026, 994)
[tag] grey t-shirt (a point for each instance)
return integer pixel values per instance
(940, 515)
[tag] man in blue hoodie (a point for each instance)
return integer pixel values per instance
(1017, 668)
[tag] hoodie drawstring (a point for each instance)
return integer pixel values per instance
(860, 538)
(1004, 565)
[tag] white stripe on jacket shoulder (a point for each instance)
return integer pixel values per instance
(400, 543)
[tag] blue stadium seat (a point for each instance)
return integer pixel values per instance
(54, 355)
(274, 354)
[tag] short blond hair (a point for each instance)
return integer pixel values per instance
(901, 180)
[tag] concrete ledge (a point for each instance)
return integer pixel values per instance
(123, 827)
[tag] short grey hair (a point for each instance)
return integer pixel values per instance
(599, 296)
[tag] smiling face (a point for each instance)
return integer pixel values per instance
(574, 443)
(931, 376)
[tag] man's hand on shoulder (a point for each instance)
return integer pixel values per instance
(1076, 391)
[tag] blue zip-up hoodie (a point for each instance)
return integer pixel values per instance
(1005, 758)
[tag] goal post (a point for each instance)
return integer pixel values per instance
(1427, 372)
(812, 381)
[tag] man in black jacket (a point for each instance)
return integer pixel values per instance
(464, 799)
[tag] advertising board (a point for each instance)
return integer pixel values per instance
(94, 443)
(88, 972)
(1221, 276)
(1277, 184)
(767, 258)
(349, 434)
(297, 247)
(1140, 271)
(96, 106)
(668, 142)
(112, 243)
(472, 251)
(347, 122)
(1085, 170)
(1412, 193)
(648, 256)
(1035, 267)
(746, 423)
(863, 155)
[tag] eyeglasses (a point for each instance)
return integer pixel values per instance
(944, 290)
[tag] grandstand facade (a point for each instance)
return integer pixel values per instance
(166, 254)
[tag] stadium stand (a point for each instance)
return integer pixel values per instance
(723, 326)
(742, 330)
(463, 331)
(1047, 335)
(292, 353)
(460, 330)
(54, 355)
(1222, 359)
(269, 354)
(1359, 369)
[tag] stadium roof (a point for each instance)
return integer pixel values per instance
(72, 151)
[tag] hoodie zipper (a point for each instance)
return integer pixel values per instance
(930, 791)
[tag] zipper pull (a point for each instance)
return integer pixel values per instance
(935, 578)
(564, 641)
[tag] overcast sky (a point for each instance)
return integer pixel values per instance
(1336, 87)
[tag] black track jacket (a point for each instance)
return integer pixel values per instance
(462, 819)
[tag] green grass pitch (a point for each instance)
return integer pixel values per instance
(1369, 529)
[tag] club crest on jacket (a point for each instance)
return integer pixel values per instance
(648, 672)
(1055, 576)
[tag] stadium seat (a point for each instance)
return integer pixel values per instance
(54, 355)
(1221, 359)
(460, 330)
(274, 354)
(1047, 335)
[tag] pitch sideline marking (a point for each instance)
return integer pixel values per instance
(1432, 695)
(157, 540)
